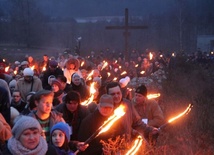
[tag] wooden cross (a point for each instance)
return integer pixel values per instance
(126, 33)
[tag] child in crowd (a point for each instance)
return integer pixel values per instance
(60, 137)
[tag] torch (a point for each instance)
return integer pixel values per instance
(185, 112)
(137, 144)
(118, 113)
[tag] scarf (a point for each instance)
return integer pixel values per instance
(15, 147)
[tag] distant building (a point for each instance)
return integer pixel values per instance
(205, 42)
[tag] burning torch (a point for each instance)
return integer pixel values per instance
(118, 113)
(185, 112)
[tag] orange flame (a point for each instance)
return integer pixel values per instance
(90, 75)
(150, 56)
(104, 65)
(7, 68)
(109, 74)
(120, 67)
(137, 143)
(151, 96)
(115, 79)
(181, 114)
(3, 60)
(123, 73)
(136, 65)
(118, 113)
(32, 67)
(142, 72)
(91, 98)
(82, 63)
(15, 72)
(44, 68)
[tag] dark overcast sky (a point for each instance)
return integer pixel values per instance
(86, 8)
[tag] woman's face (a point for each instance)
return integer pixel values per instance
(58, 138)
(55, 88)
(30, 138)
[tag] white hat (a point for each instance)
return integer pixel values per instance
(124, 81)
(28, 72)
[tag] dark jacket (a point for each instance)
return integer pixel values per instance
(73, 119)
(88, 126)
(48, 73)
(18, 106)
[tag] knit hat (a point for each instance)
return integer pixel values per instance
(53, 64)
(12, 83)
(56, 82)
(22, 123)
(142, 90)
(43, 92)
(106, 101)
(64, 127)
(124, 81)
(28, 72)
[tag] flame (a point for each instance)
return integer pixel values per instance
(104, 65)
(161, 55)
(115, 61)
(92, 89)
(137, 143)
(181, 114)
(115, 79)
(173, 54)
(90, 75)
(150, 56)
(15, 72)
(82, 63)
(118, 113)
(3, 60)
(151, 96)
(123, 73)
(91, 98)
(109, 74)
(44, 68)
(211, 52)
(32, 67)
(142, 72)
(6, 68)
(120, 67)
(136, 65)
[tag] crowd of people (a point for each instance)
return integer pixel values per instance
(41, 110)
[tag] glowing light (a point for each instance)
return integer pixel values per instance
(137, 144)
(104, 65)
(118, 113)
(150, 56)
(115, 79)
(90, 75)
(109, 74)
(181, 114)
(151, 96)
(32, 67)
(7, 69)
(82, 63)
(142, 72)
(136, 65)
(123, 73)
(44, 68)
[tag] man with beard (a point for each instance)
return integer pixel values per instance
(28, 83)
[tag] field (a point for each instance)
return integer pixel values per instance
(192, 134)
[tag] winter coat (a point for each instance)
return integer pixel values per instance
(73, 119)
(151, 111)
(26, 87)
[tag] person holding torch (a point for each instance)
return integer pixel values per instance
(131, 121)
